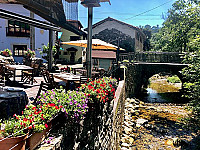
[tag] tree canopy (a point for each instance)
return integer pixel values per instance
(179, 29)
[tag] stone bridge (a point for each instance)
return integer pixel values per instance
(142, 66)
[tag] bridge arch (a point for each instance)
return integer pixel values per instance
(139, 73)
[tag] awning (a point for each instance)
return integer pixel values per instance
(103, 54)
(96, 44)
(34, 22)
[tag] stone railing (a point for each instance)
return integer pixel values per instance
(101, 129)
(154, 57)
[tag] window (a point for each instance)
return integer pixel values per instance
(19, 29)
(75, 38)
(18, 50)
(65, 53)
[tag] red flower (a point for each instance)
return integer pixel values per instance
(30, 127)
(90, 87)
(35, 112)
(42, 117)
(22, 112)
(51, 104)
(56, 107)
(25, 119)
(34, 108)
(46, 125)
(61, 106)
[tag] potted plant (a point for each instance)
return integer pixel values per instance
(99, 91)
(13, 133)
(51, 103)
(29, 53)
(6, 52)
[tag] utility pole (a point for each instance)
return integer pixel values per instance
(90, 4)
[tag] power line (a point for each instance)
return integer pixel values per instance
(134, 19)
(148, 10)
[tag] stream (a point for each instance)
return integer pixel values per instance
(160, 91)
(157, 117)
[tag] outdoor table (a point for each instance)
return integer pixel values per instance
(94, 73)
(12, 101)
(67, 78)
(14, 68)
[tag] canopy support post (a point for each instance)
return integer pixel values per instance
(89, 43)
(50, 49)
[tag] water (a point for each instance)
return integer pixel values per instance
(160, 91)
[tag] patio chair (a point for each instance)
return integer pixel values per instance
(28, 76)
(11, 62)
(48, 78)
(4, 72)
(43, 87)
(83, 79)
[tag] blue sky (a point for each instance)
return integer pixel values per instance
(126, 10)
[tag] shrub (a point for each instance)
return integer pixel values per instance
(173, 79)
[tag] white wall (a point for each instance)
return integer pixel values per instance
(41, 36)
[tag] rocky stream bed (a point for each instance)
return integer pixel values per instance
(156, 126)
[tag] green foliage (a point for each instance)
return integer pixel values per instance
(179, 29)
(192, 86)
(29, 53)
(45, 51)
(174, 79)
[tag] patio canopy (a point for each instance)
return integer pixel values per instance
(96, 44)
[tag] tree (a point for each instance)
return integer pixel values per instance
(181, 26)
(45, 51)
(192, 76)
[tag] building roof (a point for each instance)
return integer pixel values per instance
(123, 23)
(42, 9)
(75, 23)
(103, 54)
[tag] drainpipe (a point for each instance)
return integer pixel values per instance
(50, 49)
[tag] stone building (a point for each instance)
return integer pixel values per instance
(130, 37)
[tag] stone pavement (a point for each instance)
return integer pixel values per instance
(31, 90)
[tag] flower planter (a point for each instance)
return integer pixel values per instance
(16, 143)
(6, 54)
(37, 137)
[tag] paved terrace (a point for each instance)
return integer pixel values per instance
(31, 90)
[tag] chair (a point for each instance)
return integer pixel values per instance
(28, 76)
(43, 87)
(11, 62)
(5, 73)
(48, 78)
(83, 79)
